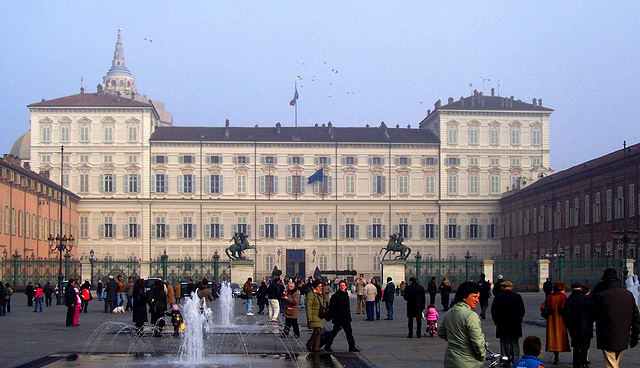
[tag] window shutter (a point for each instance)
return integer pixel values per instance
(287, 231)
(383, 185)
(180, 183)
(207, 231)
(248, 230)
(180, 231)
(235, 159)
(114, 227)
(445, 228)
(357, 232)
(261, 185)
(467, 231)
(275, 184)
(126, 230)
(329, 184)
(102, 182)
(153, 231)
(330, 231)
(262, 160)
(396, 160)
(234, 228)
(126, 187)
(275, 231)
(302, 231)
(315, 160)
(369, 161)
(316, 230)
(343, 231)
(138, 183)
(355, 161)
(436, 231)
(369, 231)
(152, 187)
(194, 231)
(396, 229)
(384, 231)
(181, 159)
(102, 230)
(289, 160)
(303, 184)
(458, 231)
(423, 231)
(410, 232)
(115, 182)
(207, 183)
(289, 184)
(166, 231)
(221, 230)
(316, 187)
(408, 160)
(138, 230)
(479, 231)
(194, 184)
(374, 185)
(261, 231)
(220, 181)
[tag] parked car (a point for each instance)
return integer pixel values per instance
(64, 285)
(236, 289)
(183, 289)
(148, 283)
(254, 288)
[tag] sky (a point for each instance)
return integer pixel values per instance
(359, 62)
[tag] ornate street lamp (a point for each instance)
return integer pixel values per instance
(418, 260)
(61, 244)
(467, 257)
(92, 260)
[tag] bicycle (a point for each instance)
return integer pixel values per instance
(496, 359)
(432, 328)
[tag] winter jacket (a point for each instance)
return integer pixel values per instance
(291, 304)
(507, 312)
(111, 289)
(205, 296)
(70, 298)
(140, 306)
(313, 303)
(248, 290)
(370, 292)
(275, 290)
(577, 318)
(39, 293)
(616, 315)
(378, 293)
(359, 283)
(461, 327)
(432, 315)
(171, 296)
(339, 308)
(389, 292)
(176, 317)
(326, 289)
(557, 338)
(416, 300)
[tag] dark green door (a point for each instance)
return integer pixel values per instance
(295, 262)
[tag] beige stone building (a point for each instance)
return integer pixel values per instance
(147, 186)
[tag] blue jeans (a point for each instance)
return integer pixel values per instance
(389, 306)
(3, 310)
(249, 305)
(120, 299)
(370, 306)
(129, 302)
(377, 305)
(38, 304)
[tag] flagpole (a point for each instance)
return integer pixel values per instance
(296, 106)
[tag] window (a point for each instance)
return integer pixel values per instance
(574, 212)
(379, 184)
(515, 137)
(83, 133)
(349, 184)
(404, 229)
(187, 159)
(46, 134)
(45, 158)
(323, 160)
(84, 226)
(133, 134)
(515, 161)
(295, 229)
(213, 229)
(268, 262)
(240, 160)
(107, 228)
(322, 230)
(376, 229)
(494, 184)
(455, 161)
(473, 136)
(132, 159)
(404, 161)
(159, 183)
(536, 161)
(473, 161)
(632, 200)
(295, 160)
(609, 199)
(429, 161)
(64, 134)
(214, 159)
(324, 186)
(241, 226)
(494, 136)
(107, 135)
(429, 230)
(83, 159)
(269, 229)
(453, 230)
(493, 228)
(349, 160)
(132, 183)
(213, 184)
(494, 161)
(268, 184)
(430, 184)
(187, 228)
(187, 183)
(375, 260)
(474, 230)
(403, 184)
(108, 183)
(473, 184)
(323, 262)
(452, 183)
(452, 137)
(132, 229)
(161, 229)
(536, 137)
(107, 159)
(241, 183)
(587, 207)
(376, 161)
(66, 159)
(619, 203)
(597, 209)
(84, 183)
(296, 184)
(349, 229)
(159, 159)
(349, 264)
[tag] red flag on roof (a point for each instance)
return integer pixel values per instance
(295, 98)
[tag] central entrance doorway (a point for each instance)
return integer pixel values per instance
(296, 262)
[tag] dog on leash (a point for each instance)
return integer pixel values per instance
(118, 310)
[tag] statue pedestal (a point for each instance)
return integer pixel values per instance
(241, 269)
(394, 268)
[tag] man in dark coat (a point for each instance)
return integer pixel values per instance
(547, 287)
(485, 294)
(48, 292)
(496, 287)
(507, 312)
(191, 287)
(414, 295)
(580, 324)
(617, 318)
(432, 288)
(340, 314)
(71, 300)
(30, 292)
(388, 298)
(111, 290)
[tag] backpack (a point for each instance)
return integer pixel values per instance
(86, 294)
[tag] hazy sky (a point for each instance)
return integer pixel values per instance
(360, 62)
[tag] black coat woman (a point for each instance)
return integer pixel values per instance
(157, 307)
(139, 304)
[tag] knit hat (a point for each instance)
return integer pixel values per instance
(610, 274)
(174, 307)
(506, 284)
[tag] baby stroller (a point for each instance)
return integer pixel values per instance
(432, 328)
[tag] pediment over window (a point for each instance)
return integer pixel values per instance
(84, 167)
(269, 169)
(296, 170)
(349, 170)
(473, 123)
(377, 170)
(403, 170)
(132, 121)
(133, 168)
(84, 120)
(159, 168)
(494, 124)
(452, 123)
(430, 169)
(473, 170)
(187, 168)
(108, 167)
(45, 120)
(515, 124)
(494, 171)
(108, 120)
(64, 120)
(452, 170)
(46, 167)
(242, 169)
(515, 171)
(214, 169)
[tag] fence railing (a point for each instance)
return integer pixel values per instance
(523, 273)
(19, 272)
(456, 272)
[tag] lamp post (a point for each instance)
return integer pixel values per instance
(551, 255)
(216, 260)
(16, 261)
(61, 244)
(92, 260)
(626, 238)
(608, 255)
(164, 257)
(418, 259)
(467, 256)
(561, 255)
(314, 256)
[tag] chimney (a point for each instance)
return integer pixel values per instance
(226, 129)
(278, 126)
(331, 134)
(437, 104)
(511, 101)
(44, 173)
(461, 101)
(450, 100)
(428, 111)
(493, 92)
(540, 102)
(27, 166)
(535, 102)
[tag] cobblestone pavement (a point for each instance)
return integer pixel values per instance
(27, 336)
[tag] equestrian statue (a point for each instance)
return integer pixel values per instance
(395, 245)
(240, 244)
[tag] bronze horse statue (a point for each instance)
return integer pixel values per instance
(395, 245)
(240, 244)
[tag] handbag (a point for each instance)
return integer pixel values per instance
(243, 295)
(546, 311)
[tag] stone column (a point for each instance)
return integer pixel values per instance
(629, 264)
(394, 268)
(241, 269)
(487, 268)
(145, 269)
(543, 272)
(85, 270)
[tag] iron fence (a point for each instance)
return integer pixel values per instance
(456, 272)
(584, 271)
(189, 269)
(101, 270)
(19, 272)
(522, 272)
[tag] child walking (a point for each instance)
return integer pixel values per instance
(176, 319)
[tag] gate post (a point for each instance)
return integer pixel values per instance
(216, 260)
(487, 268)
(629, 265)
(145, 269)
(16, 263)
(164, 257)
(543, 272)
